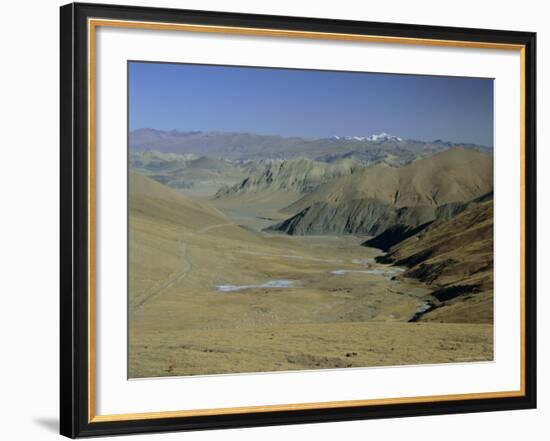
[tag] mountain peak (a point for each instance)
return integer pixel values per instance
(380, 137)
(383, 136)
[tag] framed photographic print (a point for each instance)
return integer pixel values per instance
(273, 220)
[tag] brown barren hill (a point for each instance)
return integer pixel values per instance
(454, 256)
(377, 198)
(455, 175)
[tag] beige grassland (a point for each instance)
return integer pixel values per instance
(180, 324)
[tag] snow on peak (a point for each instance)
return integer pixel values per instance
(381, 137)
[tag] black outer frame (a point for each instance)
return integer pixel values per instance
(74, 220)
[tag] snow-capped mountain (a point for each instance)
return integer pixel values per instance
(381, 137)
(384, 137)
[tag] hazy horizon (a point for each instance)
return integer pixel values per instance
(341, 136)
(308, 103)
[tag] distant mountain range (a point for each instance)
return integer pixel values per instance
(371, 149)
(381, 137)
(195, 175)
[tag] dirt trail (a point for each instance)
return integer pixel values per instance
(179, 274)
(181, 271)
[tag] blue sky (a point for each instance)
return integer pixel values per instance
(309, 103)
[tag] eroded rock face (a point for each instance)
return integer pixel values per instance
(300, 175)
(361, 216)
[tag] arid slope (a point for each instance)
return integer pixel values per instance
(378, 198)
(299, 175)
(455, 257)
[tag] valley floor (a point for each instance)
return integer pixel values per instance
(209, 296)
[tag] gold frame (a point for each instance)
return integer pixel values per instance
(92, 25)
